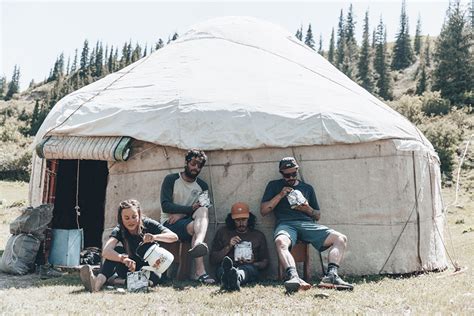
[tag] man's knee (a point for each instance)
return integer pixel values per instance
(201, 212)
(340, 239)
(282, 242)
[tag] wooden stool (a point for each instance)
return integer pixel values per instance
(181, 257)
(300, 253)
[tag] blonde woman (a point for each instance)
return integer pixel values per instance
(131, 230)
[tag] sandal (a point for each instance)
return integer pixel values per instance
(198, 250)
(206, 279)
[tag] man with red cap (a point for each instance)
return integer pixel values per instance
(239, 249)
(297, 211)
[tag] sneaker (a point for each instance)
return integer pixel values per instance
(334, 281)
(227, 265)
(233, 280)
(293, 284)
(87, 278)
(47, 271)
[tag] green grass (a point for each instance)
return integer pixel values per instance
(431, 293)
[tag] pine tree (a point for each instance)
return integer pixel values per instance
(381, 66)
(351, 49)
(341, 43)
(331, 48)
(14, 84)
(137, 53)
(373, 39)
(421, 84)
(3, 87)
(299, 33)
(84, 62)
(175, 36)
(111, 62)
(74, 63)
(32, 83)
(402, 51)
(427, 52)
(68, 67)
(454, 59)
(417, 43)
(145, 50)
(320, 47)
(159, 44)
(364, 68)
(309, 39)
(91, 67)
(99, 60)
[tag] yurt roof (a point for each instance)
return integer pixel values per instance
(230, 83)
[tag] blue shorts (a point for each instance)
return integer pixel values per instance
(179, 228)
(309, 232)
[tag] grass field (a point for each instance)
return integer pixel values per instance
(432, 293)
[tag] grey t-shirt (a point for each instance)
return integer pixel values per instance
(283, 211)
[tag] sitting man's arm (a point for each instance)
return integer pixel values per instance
(311, 207)
(220, 248)
(270, 200)
(166, 196)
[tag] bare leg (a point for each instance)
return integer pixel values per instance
(99, 282)
(198, 228)
(338, 244)
(200, 223)
(282, 243)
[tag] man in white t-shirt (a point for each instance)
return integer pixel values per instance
(182, 212)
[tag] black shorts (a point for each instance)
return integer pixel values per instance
(179, 228)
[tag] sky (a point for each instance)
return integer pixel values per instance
(34, 33)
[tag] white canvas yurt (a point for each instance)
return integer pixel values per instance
(248, 93)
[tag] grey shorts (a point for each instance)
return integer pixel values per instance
(309, 232)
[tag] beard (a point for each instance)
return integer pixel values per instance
(291, 182)
(189, 174)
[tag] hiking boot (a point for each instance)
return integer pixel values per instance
(47, 271)
(334, 281)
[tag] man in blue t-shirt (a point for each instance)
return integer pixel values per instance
(297, 211)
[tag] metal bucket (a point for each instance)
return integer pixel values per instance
(66, 247)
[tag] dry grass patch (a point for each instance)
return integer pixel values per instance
(424, 294)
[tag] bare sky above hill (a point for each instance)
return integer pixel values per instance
(34, 33)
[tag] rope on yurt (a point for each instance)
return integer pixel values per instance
(97, 94)
(415, 207)
(454, 262)
(418, 227)
(77, 208)
(212, 190)
(300, 159)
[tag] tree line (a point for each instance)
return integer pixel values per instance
(448, 69)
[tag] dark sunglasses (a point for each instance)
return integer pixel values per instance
(290, 175)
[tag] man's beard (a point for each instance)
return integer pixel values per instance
(291, 183)
(189, 174)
